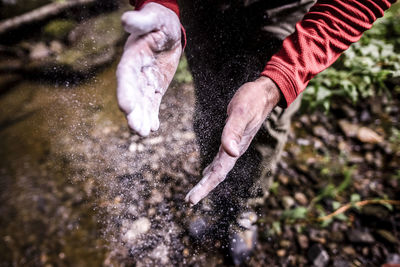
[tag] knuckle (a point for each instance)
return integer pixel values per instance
(239, 110)
(220, 178)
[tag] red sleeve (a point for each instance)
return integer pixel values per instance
(328, 29)
(171, 4)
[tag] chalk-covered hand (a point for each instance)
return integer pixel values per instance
(247, 110)
(148, 64)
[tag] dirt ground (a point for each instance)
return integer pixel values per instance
(78, 189)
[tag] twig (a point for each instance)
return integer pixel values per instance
(358, 204)
(39, 14)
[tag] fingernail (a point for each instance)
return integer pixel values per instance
(187, 199)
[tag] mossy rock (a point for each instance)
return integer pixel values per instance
(93, 42)
(59, 28)
(91, 45)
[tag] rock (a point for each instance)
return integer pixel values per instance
(317, 236)
(366, 135)
(393, 259)
(284, 179)
(287, 202)
(369, 157)
(365, 116)
(337, 236)
(301, 198)
(58, 28)
(185, 252)
(156, 197)
(376, 252)
(39, 51)
(281, 253)
(160, 253)
(303, 142)
(91, 45)
(136, 229)
(153, 141)
(343, 146)
(376, 211)
(349, 129)
(285, 243)
(198, 227)
(357, 236)
(303, 241)
(305, 120)
(321, 132)
(350, 112)
(318, 256)
(56, 47)
(340, 263)
(349, 250)
(136, 147)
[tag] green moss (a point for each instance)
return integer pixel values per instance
(70, 56)
(183, 74)
(59, 28)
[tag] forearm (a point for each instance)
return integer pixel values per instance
(327, 30)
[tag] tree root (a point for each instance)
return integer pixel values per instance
(358, 204)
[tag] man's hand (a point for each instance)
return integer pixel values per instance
(148, 64)
(247, 111)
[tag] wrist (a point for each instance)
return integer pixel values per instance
(272, 93)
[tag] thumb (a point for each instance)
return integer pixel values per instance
(233, 132)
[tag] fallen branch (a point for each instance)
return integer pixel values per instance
(40, 14)
(358, 204)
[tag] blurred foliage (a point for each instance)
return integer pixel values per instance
(59, 28)
(364, 69)
(183, 74)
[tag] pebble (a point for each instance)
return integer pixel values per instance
(281, 253)
(287, 202)
(337, 236)
(340, 263)
(153, 141)
(134, 147)
(318, 256)
(137, 228)
(317, 236)
(283, 179)
(349, 250)
(321, 132)
(357, 236)
(185, 252)
(375, 211)
(39, 51)
(156, 197)
(301, 198)
(56, 47)
(349, 129)
(303, 241)
(285, 243)
(393, 259)
(365, 251)
(367, 135)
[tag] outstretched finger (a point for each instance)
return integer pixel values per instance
(232, 134)
(215, 173)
